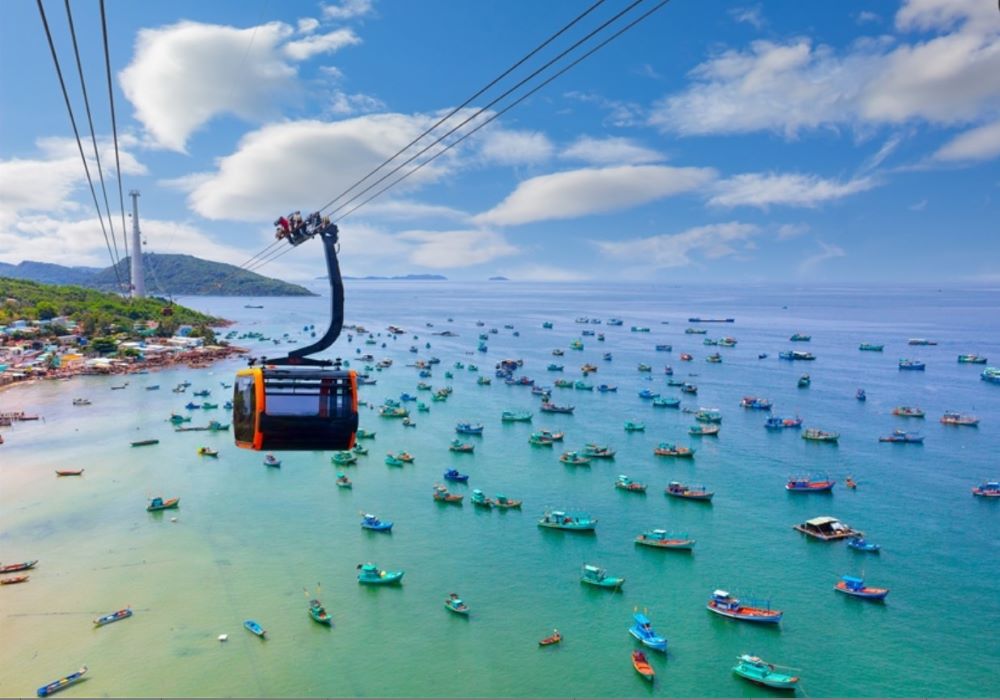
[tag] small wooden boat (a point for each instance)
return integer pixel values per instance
(359, 450)
(560, 520)
(503, 503)
(669, 449)
(253, 627)
(318, 613)
(65, 682)
(661, 539)
(343, 481)
(11, 580)
(860, 395)
(343, 458)
(596, 576)
(456, 476)
(758, 671)
(457, 445)
(722, 603)
(862, 545)
(480, 499)
(442, 495)
(854, 586)
(81, 402)
(704, 431)
(144, 443)
(804, 381)
(112, 617)
(469, 429)
(372, 575)
(816, 435)
(805, 484)
(850, 483)
(365, 434)
(954, 418)
(664, 402)
(676, 489)
(826, 528)
(69, 472)
(371, 522)
(456, 604)
(902, 437)
(871, 347)
(908, 412)
(553, 638)
(158, 503)
(594, 451)
(989, 489)
(22, 566)
(642, 629)
(208, 452)
(271, 461)
(634, 427)
(641, 665)
(624, 483)
(574, 459)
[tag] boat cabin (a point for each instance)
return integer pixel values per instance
(827, 528)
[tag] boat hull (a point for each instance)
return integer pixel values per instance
(760, 617)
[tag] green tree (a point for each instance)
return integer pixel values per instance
(103, 345)
(46, 310)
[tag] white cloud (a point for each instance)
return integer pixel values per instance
(316, 44)
(786, 231)
(866, 17)
(342, 104)
(620, 112)
(981, 143)
(950, 78)
(712, 241)
(576, 193)
(610, 151)
(827, 251)
(450, 249)
(307, 25)
(918, 206)
(765, 189)
(405, 209)
(543, 273)
(304, 164)
(348, 9)
(753, 16)
(509, 147)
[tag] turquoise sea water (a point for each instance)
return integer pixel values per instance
(248, 539)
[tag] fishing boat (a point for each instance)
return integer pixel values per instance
(208, 452)
(393, 412)
(860, 395)
(640, 329)
(800, 338)
(641, 665)
(709, 341)
(554, 368)
(912, 365)
(469, 429)
(972, 359)
(343, 481)
(21, 566)
(516, 416)
(504, 503)
(343, 458)
(796, 355)
(708, 415)
(607, 388)
(442, 495)
(203, 392)
(634, 427)
(816, 435)
(901, 436)
(480, 499)
(159, 503)
(457, 445)
(540, 439)
(69, 472)
(576, 345)
(689, 388)
(662, 402)
(807, 484)
(722, 603)
(365, 434)
(595, 451)
(596, 576)
(359, 450)
(954, 418)
(664, 348)
(209, 406)
(555, 437)
(371, 522)
(855, 586)
(581, 385)
(676, 489)
(669, 449)
(318, 613)
(989, 489)
(483, 381)
(871, 347)
(144, 443)
(850, 483)
(642, 629)
(573, 458)
(553, 638)
(921, 341)
(558, 352)
(696, 319)
(624, 483)
(703, 431)
(908, 412)
(546, 324)
(991, 375)
(81, 402)
(804, 381)
(756, 403)
(727, 342)
(65, 682)
(112, 617)
(372, 575)
(564, 383)
(253, 627)
(404, 456)
(714, 358)
(661, 539)
(561, 520)
(648, 394)
(862, 545)
(826, 528)
(754, 669)
(686, 357)
(456, 604)
(696, 331)
(455, 475)
(177, 419)
(11, 580)
(588, 369)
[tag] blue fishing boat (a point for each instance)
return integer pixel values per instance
(112, 617)
(371, 575)
(554, 368)
(777, 423)
(916, 365)
(902, 436)
(370, 522)
(664, 348)
(991, 375)
(254, 628)
(65, 682)
(854, 586)
(662, 402)
(469, 429)
(606, 388)
(642, 629)
(756, 403)
(596, 576)
(648, 394)
(722, 603)
(454, 475)
(863, 545)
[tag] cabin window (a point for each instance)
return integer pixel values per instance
(323, 396)
(243, 409)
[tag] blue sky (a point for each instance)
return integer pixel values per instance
(715, 141)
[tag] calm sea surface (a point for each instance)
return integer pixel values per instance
(249, 539)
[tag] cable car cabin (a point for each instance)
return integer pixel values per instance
(295, 408)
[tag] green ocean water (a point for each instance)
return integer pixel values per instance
(248, 539)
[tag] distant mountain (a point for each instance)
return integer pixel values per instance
(166, 275)
(499, 278)
(411, 278)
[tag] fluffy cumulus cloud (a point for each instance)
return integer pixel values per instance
(790, 189)
(951, 77)
(510, 147)
(575, 193)
(981, 143)
(307, 162)
(450, 249)
(712, 241)
(613, 150)
(343, 104)
(183, 75)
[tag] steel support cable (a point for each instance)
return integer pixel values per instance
(445, 118)
(76, 132)
(114, 127)
(93, 135)
(482, 109)
(513, 104)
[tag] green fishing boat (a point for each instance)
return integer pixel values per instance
(393, 461)
(344, 458)
(754, 669)
(541, 439)
(319, 613)
(596, 576)
(871, 347)
(360, 450)
(516, 416)
(365, 434)
(373, 576)
(634, 427)
(598, 451)
(159, 503)
(483, 381)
